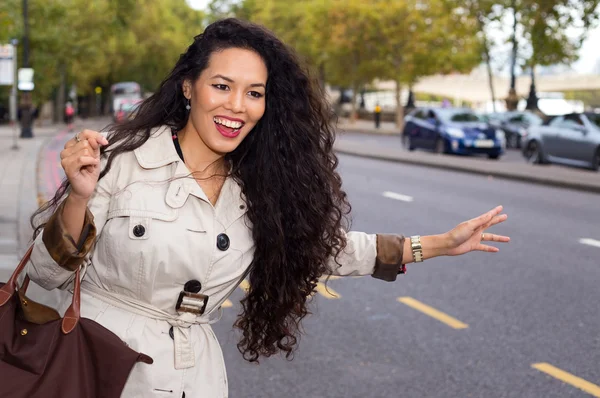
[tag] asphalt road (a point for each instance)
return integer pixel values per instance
(535, 302)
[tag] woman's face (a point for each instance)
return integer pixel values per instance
(227, 99)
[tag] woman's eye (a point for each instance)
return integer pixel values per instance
(256, 94)
(220, 86)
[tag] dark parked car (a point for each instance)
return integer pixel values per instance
(452, 130)
(515, 125)
(572, 139)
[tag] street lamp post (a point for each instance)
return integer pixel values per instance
(26, 119)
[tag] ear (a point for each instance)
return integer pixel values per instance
(187, 89)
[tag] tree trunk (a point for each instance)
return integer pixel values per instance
(532, 100)
(59, 106)
(488, 63)
(399, 107)
(353, 113)
(513, 100)
(410, 102)
(322, 75)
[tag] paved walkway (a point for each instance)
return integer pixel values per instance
(367, 127)
(18, 184)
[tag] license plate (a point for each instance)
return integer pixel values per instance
(484, 143)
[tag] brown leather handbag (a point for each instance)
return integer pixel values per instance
(42, 355)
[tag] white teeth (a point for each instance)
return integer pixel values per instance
(228, 123)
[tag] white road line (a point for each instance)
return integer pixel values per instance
(397, 196)
(591, 242)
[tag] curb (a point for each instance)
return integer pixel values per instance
(350, 129)
(471, 169)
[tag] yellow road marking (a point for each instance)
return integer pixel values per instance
(568, 378)
(432, 312)
(227, 304)
(327, 292)
(245, 285)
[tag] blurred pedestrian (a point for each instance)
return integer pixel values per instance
(69, 114)
(377, 116)
(227, 171)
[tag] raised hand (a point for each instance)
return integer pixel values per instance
(470, 235)
(81, 161)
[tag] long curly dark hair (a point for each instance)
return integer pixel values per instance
(286, 169)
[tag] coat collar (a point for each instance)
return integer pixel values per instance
(158, 151)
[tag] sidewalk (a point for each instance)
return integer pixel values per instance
(18, 184)
(367, 127)
(18, 187)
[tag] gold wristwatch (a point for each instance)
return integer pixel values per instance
(417, 249)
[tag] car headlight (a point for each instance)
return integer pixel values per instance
(455, 133)
(500, 135)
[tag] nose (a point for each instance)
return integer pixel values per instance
(236, 102)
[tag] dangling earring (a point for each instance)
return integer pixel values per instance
(188, 107)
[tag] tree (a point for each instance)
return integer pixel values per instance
(425, 38)
(101, 42)
(485, 12)
(546, 24)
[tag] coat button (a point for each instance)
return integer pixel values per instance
(192, 286)
(222, 242)
(139, 231)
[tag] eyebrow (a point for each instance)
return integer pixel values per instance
(230, 80)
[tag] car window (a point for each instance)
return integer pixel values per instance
(571, 121)
(574, 118)
(517, 119)
(594, 118)
(419, 115)
(556, 121)
(533, 119)
(465, 117)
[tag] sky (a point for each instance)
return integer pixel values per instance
(588, 55)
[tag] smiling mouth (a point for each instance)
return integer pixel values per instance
(228, 128)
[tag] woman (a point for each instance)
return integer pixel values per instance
(227, 169)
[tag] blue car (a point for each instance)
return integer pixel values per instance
(452, 130)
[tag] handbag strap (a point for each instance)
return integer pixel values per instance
(72, 314)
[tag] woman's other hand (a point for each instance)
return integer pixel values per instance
(80, 160)
(471, 235)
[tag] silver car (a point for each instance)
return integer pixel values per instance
(572, 139)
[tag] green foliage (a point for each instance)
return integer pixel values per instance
(101, 41)
(546, 22)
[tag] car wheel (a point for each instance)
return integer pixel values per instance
(533, 154)
(408, 143)
(513, 141)
(440, 146)
(494, 156)
(596, 161)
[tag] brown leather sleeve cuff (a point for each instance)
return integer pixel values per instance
(60, 243)
(388, 262)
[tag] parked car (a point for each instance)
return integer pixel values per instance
(515, 125)
(572, 139)
(126, 110)
(452, 130)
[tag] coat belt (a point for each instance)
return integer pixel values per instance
(185, 356)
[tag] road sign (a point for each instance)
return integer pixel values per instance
(98, 90)
(26, 79)
(7, 71)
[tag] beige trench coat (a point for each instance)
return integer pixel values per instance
(156, 231)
